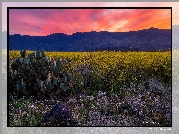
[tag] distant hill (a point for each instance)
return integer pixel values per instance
(151, 39)
(175, 36)
(4, 40)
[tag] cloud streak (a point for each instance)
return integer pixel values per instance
(47, 21)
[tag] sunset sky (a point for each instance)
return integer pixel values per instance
(33, 22)
(47, 21)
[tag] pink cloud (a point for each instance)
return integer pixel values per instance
(174, 5)
(69, 21)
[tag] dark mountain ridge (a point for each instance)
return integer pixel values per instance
(151, 39)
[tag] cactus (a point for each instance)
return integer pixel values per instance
(37, 75)
(23, 53)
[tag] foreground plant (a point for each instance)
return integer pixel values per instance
(37, 75)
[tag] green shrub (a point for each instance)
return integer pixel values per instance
(37, 75)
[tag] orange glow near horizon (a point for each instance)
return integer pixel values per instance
(39, 22)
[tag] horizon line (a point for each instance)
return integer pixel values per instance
(94, 32)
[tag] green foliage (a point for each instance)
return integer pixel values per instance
(23, 53)
(37, 75)
(106, 71)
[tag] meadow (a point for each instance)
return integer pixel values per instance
(107, 89)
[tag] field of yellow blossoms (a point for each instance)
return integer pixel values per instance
(119, 67)
(109, 89)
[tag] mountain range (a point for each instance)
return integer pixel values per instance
(151, 39)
